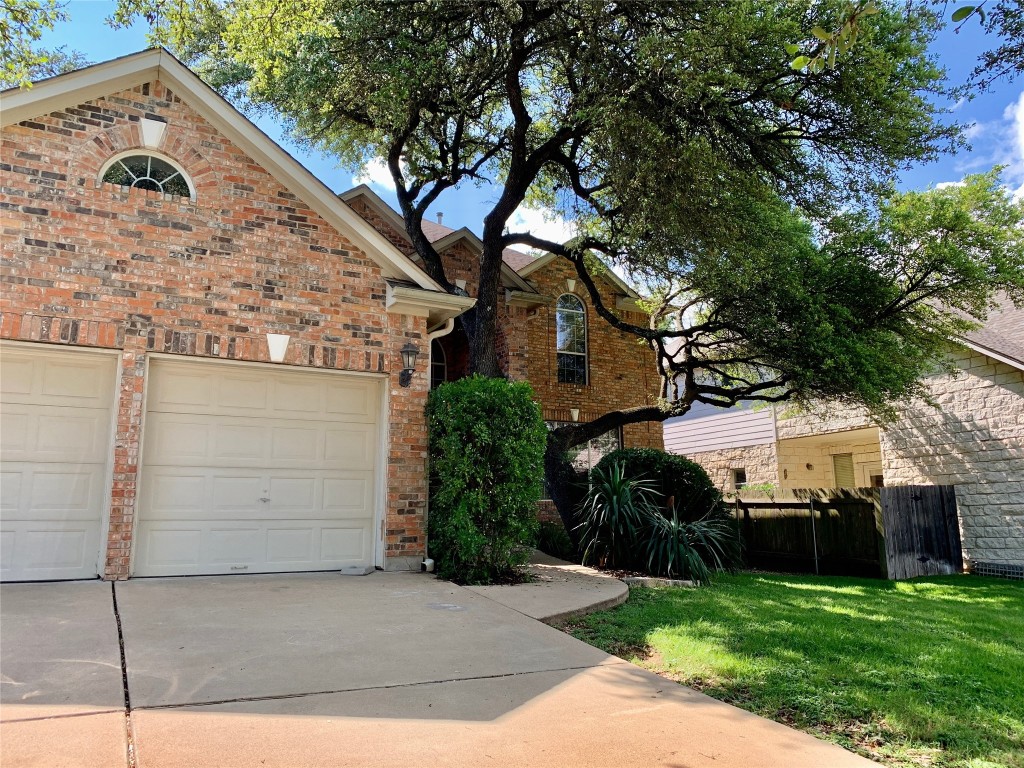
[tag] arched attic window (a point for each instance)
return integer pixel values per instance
(438, 365)
(143, 170)
(571, 339)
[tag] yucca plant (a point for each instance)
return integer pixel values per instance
(690, 549)
(614, 514)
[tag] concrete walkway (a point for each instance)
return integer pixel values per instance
(558, 590)
(388, 669)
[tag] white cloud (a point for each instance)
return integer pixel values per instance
(944, 184)
(1014, 114)
(974, 130)
(1001, 142)
(375, 173)
(541, 223)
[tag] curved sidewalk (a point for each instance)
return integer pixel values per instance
(558, 590)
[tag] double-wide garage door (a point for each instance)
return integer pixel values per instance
(56, 408)
(252, 469)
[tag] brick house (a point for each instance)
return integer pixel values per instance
(974, 440)
(155, 245)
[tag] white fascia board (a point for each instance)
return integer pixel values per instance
(61, 91)
(437, 307)
(993, 354)
(158, 64)
(393, 217)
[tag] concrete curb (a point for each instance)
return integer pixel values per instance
(655, 581)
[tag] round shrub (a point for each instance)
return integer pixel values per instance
(487, 441)
(674, 478)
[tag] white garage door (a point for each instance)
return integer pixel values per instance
(256, 470)
(56, 406)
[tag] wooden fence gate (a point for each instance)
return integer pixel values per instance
(922, 532)
(895, 533)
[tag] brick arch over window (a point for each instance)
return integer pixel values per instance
(94, 153)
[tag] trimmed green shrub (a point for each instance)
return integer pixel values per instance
(677, 480)
(487, 441)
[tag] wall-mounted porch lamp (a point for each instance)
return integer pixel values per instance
(409, 353)
(277, 344)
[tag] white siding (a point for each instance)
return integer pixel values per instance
(707, 428)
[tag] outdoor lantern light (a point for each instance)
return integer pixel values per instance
(277, 345)
(409, 354)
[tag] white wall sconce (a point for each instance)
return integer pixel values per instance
(277, 344)
(575, 413)
(409, 354)
(570, 284)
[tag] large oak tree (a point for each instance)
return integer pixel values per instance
(683, 143)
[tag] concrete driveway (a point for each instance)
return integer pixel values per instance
(326, 670)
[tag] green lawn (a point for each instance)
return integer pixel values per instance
(928, 672)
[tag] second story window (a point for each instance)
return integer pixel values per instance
(571, 340)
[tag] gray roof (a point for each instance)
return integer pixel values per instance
(1003, 332)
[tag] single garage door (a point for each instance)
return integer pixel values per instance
(256, 469)
(56, 406)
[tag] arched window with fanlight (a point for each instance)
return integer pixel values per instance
(438, 365)
(571, 339)
(148, 171)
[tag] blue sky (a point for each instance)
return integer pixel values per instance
(994, 120)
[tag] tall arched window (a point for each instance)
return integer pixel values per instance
(438, 364)
(571, 339)
(146, 171)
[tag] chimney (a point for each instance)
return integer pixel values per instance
(440, 218)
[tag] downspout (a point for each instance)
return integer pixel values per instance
(444, 330)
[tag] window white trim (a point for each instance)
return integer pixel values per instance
(111, 161)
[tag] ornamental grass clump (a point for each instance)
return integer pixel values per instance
(487, 441)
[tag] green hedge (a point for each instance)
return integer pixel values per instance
(487, 441)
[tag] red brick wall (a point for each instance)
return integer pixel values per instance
(622, 371)
(92, 264)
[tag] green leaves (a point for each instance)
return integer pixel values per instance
(487, 443)
(964, 11)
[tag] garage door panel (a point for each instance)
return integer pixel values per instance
(57, 412)
(348, 496)
(343, 543)
(242, 392)
(37, 551)
(176, 548)
(298, 444)
(45, 375)
(16, 374)
(54, 434)
(354, 446)
(353, 400)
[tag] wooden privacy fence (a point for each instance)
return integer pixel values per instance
(895, 533)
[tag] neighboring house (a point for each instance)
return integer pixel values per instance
(152, 239)
(974, 440)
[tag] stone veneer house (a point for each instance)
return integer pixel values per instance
(974, 440)
(152, 238)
